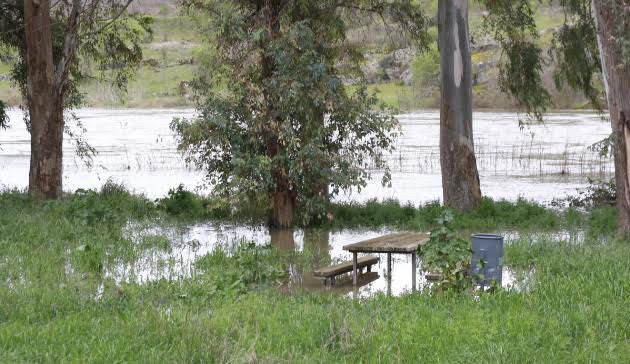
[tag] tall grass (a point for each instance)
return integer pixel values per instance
(520, 215)
(57, 303)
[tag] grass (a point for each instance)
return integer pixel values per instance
(521, 215)
(52, 309)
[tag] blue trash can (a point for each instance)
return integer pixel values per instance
(489, 248)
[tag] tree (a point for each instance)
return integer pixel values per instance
(277, 123)
(595, 40)
(460, 178)
(613, 36)
(45, 176)
(56, 45)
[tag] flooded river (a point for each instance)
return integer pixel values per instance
(136, 147)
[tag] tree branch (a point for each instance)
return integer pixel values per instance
(69, 48)
(112, 20)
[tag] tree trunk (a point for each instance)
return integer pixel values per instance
(45, 106)
(617, 81)
(283, 207)
(460, 178)
(282, 195)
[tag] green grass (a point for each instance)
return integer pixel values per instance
(575, 310)
(5, 68)
(176, 28)
(521, 215)
(400, 96)
(176, 38)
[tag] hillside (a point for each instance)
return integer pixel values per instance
(400, 75)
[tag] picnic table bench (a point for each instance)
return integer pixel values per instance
(397, 243)
(329, 273)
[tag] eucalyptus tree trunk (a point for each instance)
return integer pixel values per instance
(283, 195)
(616, 72)
(45, 106)
(460, 178)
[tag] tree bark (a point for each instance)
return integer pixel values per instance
(283, 208)
(282, 194)
(45, 105)
(617, 81)
(460, 178)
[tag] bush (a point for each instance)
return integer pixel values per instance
(448, 255)
(597, 194)
(181, 202)
(248, 267)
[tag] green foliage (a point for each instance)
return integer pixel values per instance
(187, 205)
(373, 214)
(576, 53)
(513, 25)
(113, 205)
(179, 202)
(596, 194)
(275, 116)
(601, 222)
(249, 266)
(575, 308)
(521, 214)
(426, 68)
(448, 255)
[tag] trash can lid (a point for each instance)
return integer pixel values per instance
(487, 236)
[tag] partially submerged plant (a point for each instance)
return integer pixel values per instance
(447, 255)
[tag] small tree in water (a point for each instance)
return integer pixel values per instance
(276, 121)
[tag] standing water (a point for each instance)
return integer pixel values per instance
(137, 148)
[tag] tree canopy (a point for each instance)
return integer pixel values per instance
(275, 113)
(574, 53)
(107, 44)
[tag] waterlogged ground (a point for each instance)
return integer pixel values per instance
(172, 251)
(136, 147)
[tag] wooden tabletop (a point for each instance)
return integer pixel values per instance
(391, 243)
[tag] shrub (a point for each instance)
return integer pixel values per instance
(181, 202)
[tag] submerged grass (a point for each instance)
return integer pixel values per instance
(57, 304)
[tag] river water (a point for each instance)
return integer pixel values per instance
(136, 147)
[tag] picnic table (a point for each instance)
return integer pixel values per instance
(398, 243)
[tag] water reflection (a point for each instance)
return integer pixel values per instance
(282, 239)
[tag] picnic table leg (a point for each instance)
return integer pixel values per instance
(354, 269)
(389, 265)
(413, 271)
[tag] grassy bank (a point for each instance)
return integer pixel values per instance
(521, 215)
(57, 302)
(172, 56)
